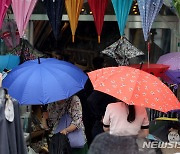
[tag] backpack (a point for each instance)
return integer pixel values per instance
(59, 144)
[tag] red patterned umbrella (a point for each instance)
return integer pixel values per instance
(98, 8)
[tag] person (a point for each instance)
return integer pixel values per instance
(38, 132)
(122, 124)
(121, 119)
(73, 106)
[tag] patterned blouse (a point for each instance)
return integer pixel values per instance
(72, 106)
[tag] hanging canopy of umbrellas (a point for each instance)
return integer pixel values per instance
(122, 9)
(148, 12)
(73, 10)
(54, 12)
(4, 5)
(121, 51)
(98, 9)
(22, 10)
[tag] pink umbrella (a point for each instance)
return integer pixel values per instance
(4, 6)
(22, 11)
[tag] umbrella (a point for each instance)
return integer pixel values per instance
(172, 59)
(148, 12)
(22, 10)
(73, 8)
(134, 87)
(172, 77)
(122, 8)
(156, 69)
(4, 6)
(54, 12)
(42, 81)
(98, 9)
(8, 62)
(10, 34)
(121, 51)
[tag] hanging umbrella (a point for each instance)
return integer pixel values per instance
(121, 51)
(172, 59)
(122, 8)
(22, 10)
(54, 12)
(3, 9)
(8, 62)
(134, 87)
(156, 69)
(42, 81)
(98, 9)
(10, 34)
(73, 8)
(148, 12)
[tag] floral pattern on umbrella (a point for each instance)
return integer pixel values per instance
(135, 87)
(148, 12)
(121, 51)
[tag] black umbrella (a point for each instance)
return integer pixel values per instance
(54, 11)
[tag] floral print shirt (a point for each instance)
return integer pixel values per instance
(72, 106)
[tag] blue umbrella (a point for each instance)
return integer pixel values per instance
(122, 8)
(8, 62)
(42, 81)
(148, 12)
(54, 11)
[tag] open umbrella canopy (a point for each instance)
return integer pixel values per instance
(172, 59)
(156, 69)
(54, 12)
(22, 10)
(98, 9)
(42, 81)
(122, 8)
(8, 62)
(149, 9)
(3, 9)
(134, 87)
(121, 51)
(73, 8)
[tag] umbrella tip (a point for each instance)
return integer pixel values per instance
(99, 39)
(39, 62)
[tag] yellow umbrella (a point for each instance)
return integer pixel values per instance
(73, 8)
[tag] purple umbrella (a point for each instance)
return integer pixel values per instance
(172, 59)
(148, 12)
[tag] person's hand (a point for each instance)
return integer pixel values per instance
(64, 131)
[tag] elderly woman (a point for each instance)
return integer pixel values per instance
(73, 107)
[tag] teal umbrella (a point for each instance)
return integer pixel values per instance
(8, 62)
(122, 8)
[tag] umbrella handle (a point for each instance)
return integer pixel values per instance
(99, 39)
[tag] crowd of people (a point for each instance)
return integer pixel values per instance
(109, 125)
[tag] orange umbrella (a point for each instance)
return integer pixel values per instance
(73, 8)
(134, 87)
